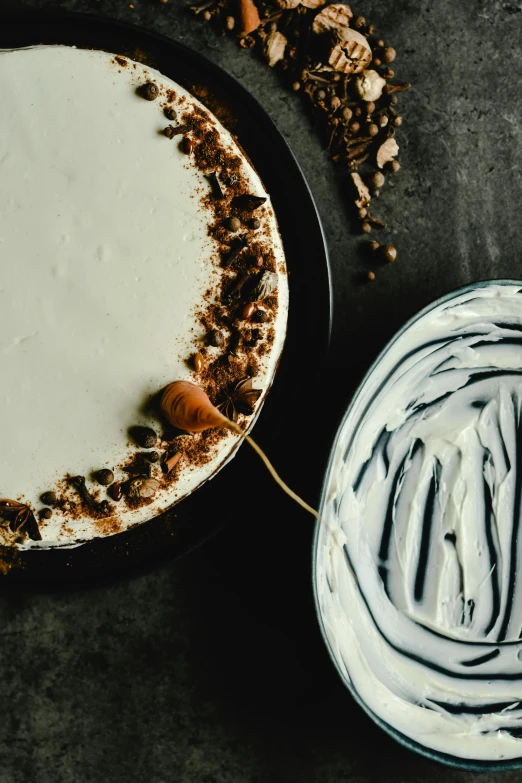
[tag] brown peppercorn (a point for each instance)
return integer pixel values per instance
(366, 227)
(370, 107)
(187, 145)
(164, 2)
(207, 16)
(358, 111)
(373, 245)
(216, 338)
(115, 491)
(359, 22)
(254, 224)
(379, 44)
(335, 103)
(248, 311)
(170, 114)
(389, 73)
(230, 22)
(261, 316)
(45, 513)
(373, 129)
(49, 498)
(377, 61)
(104, 477)
(383, 121)
(152, 456)
(198, 362)
(320, 95)
(371, 275)
(169, 132)
(355, 127)
(394, 166)
(389, 54)
(378, 179)
(394, 100)
(370, 29)
(144, 436)
(362, 213)
(233, 224)
(296, 86)
(397, 121)
(149, 91)
(347, 114)
(389, 253)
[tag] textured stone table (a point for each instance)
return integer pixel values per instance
(211, 669)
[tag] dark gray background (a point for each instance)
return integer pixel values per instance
(211, 670)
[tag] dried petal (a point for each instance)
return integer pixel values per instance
(351, 53)
(312, 3)
(142, 488)
(248, 17)
(364, 194)
(386, 152)
(333, 17)
(369, 85)
(274, 47)
(265, 285)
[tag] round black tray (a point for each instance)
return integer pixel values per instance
(241, 491)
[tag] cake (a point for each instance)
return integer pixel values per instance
(419, 549)
(138, 247)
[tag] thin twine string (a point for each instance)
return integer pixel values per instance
(277, 478)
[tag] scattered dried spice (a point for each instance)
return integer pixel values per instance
(340, 68)
(20, 517)
(240, 398)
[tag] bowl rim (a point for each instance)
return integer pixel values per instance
(469, 765)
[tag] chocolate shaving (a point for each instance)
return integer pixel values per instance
(248, 203)
(215, 184)
(236, 250)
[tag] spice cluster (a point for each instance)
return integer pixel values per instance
(343, 70)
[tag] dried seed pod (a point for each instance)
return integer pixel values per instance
(363, 193)
(216, 338)
(351, 52)
(142, 488)
(389, 54)
(248, 17)
(378, 179)
(288, 4)
(274, 47)
(386, 152)
(389, 253)
(333, 17)
(369, 85)
(265, 286)
(198, 362)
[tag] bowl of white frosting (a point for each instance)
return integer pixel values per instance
(417, 561)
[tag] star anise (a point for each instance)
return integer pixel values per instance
(238, 398)
(20, 518)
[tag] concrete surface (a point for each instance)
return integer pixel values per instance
(211, 670)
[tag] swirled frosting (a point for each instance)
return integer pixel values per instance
(419, 553)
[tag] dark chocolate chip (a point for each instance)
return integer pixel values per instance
(215, 184)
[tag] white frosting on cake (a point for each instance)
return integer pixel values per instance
(105, 260)
(420, 548)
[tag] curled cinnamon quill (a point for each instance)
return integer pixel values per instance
(187, 407)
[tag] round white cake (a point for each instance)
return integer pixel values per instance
(137, 247)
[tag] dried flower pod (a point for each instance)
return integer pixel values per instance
(274, 47)
(142, 488)
(248, 17)
(187, 407)
(363, 193)
(265, 286)
(351, 52)
(333, 17)
(386, 152)
(369, 85)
